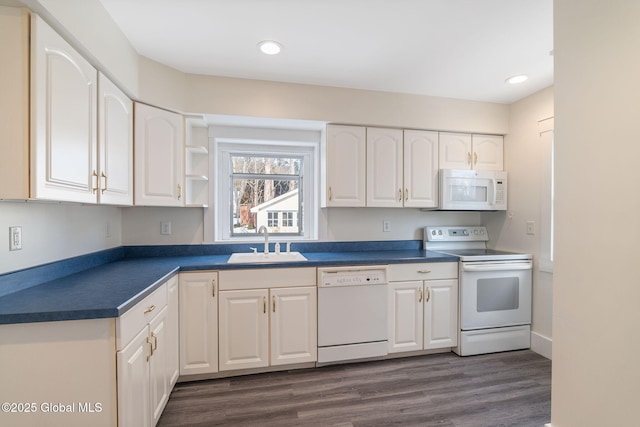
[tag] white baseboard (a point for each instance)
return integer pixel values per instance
(541, 345)
(548, 425)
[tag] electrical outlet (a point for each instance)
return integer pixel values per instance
(107, 229)
(165, 228)
(531, 227)
(15, 238)
(386, 225)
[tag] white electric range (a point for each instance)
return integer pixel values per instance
(495, 290)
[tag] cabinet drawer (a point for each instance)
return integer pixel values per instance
(266, 278)
(422, 271)
(131, 322)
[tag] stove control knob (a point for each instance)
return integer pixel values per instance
(465, 232)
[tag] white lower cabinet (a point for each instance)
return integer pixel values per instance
(198, 323)
(423, 314)
(269, 326)
(142, 359)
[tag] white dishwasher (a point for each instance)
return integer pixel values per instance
(352, 313)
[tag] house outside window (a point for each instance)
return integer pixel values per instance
(272, 219)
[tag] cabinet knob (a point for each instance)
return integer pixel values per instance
(424, 271)
(406, 194)
(330, 194)
(273, 298)
(469, 158)
(475, 158)
(400, 194)
(428, 296)
(213, 288)
(150, 309)
(419, 294)
(264, 304)
(179, 192)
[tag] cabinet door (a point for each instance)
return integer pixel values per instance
(173, 331)
(158, 148)
(63, 119)
(405, 316)
(293, 325)
(115, 144)
(244, 329)
(488, 152)
(441, 314)
(345, 166)
(158, 372)
(455, 151)
(198, 323)
(384, 168)
(420, 169)
(133, 382)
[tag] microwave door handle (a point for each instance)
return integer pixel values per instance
(495, 189)
(497, 267)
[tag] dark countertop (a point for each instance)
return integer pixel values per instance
(110, 289)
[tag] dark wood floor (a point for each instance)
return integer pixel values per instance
(502, 389)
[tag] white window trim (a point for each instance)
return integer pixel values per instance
(546, 129)
(224, 139)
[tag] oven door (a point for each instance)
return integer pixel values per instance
(495, 294)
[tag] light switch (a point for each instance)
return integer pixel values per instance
(165, 227)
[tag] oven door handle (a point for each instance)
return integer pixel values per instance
(497, 267)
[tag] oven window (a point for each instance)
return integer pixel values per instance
(498, 294)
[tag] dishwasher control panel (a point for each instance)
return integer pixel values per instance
(352, 276)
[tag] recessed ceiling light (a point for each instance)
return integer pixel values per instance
(270, 47)
(516, 79)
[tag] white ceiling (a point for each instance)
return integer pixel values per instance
(452, 48)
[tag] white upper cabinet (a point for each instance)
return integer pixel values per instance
(159, 148)
(420, 169)
(115, 142)
(64, 119)
(384, 167)
(402, 168)
(466, 151)
(488, 152)
(345, 166)
(81, 127)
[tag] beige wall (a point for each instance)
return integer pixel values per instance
(55, 231)
(596, 317)
(523, 157)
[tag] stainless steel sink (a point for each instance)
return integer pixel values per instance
(262, 258)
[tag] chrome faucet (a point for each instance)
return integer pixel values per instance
(264, 230)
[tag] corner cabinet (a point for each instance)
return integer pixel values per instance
(159, 151)
(345, 166)
(467, 151)
(267, 318)
(69, 134)
(423, 306)
(144, 362)
(198, 323)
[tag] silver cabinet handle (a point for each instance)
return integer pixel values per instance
(424, 271)
(419, 294)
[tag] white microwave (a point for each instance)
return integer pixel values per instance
(470, 190)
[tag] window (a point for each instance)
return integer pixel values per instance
(264, 177)
(261, 186)
(287, 219)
